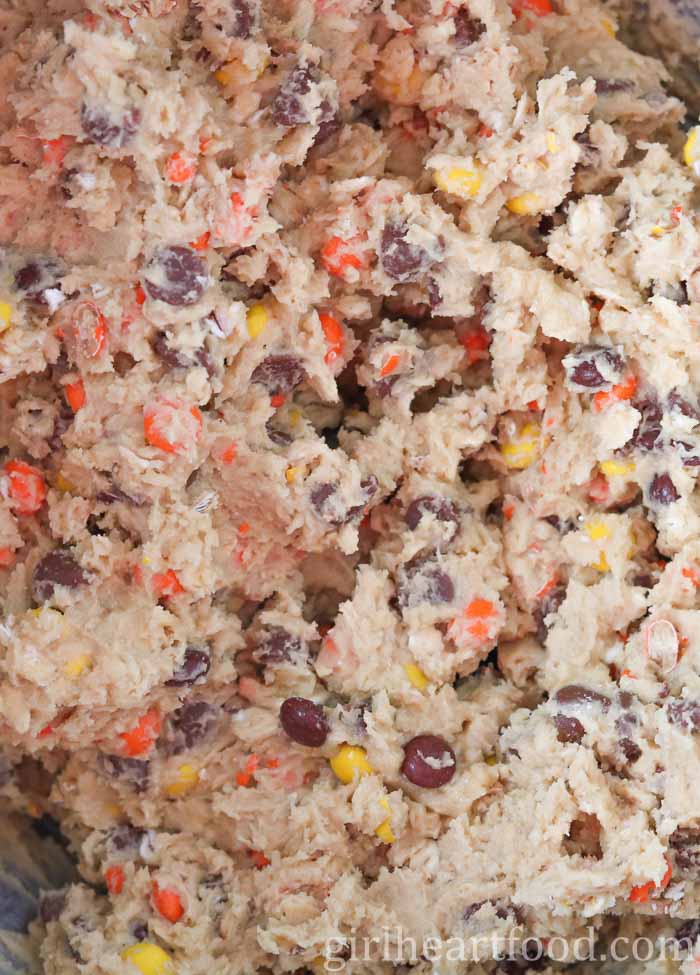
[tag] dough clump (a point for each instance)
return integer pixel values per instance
(349, 531)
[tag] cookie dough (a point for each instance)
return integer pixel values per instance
(669, 29)
(349, 538)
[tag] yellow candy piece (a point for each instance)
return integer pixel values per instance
(519, 456)
(236, 73)
(523, 450)
(384, 830)
(75, 667)
(231, 73)
(608, 26)
(406, 91)
(614, 468)
(552, 143)
(459, 181)
(349, 761)
(416, 676)
(597, 530)
(491, 759)
(62, 483)
(657, 231)
(150, 959)
(187, 779)
(256, 318)
(525, 204)
(294, 417)
(47, 613)
(5, 315)
(691, 150)
(602, 565)
(291, 474)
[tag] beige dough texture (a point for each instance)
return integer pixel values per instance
(349, 434)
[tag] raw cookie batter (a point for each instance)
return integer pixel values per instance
(669, 29)
(349, 539)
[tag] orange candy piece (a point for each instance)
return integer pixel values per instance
(259, 859)
(201, 243)
(335, 336)
(180, 168)
(479, 610)
(172, 426)
(251, 765)
(75, 394)
(140, 738)
(640, 894)
(238, 204)
(228, 454)
(114, 878)
(100, 335)
(623, 391)
(389, 366)
(166, 584)
(476, 343)
(167, 903)
(54, 150)
(90, 328)
(336, 256)
(7, 557)
(540, 8)
(27, 487)
(692, 574)
(547, 587)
